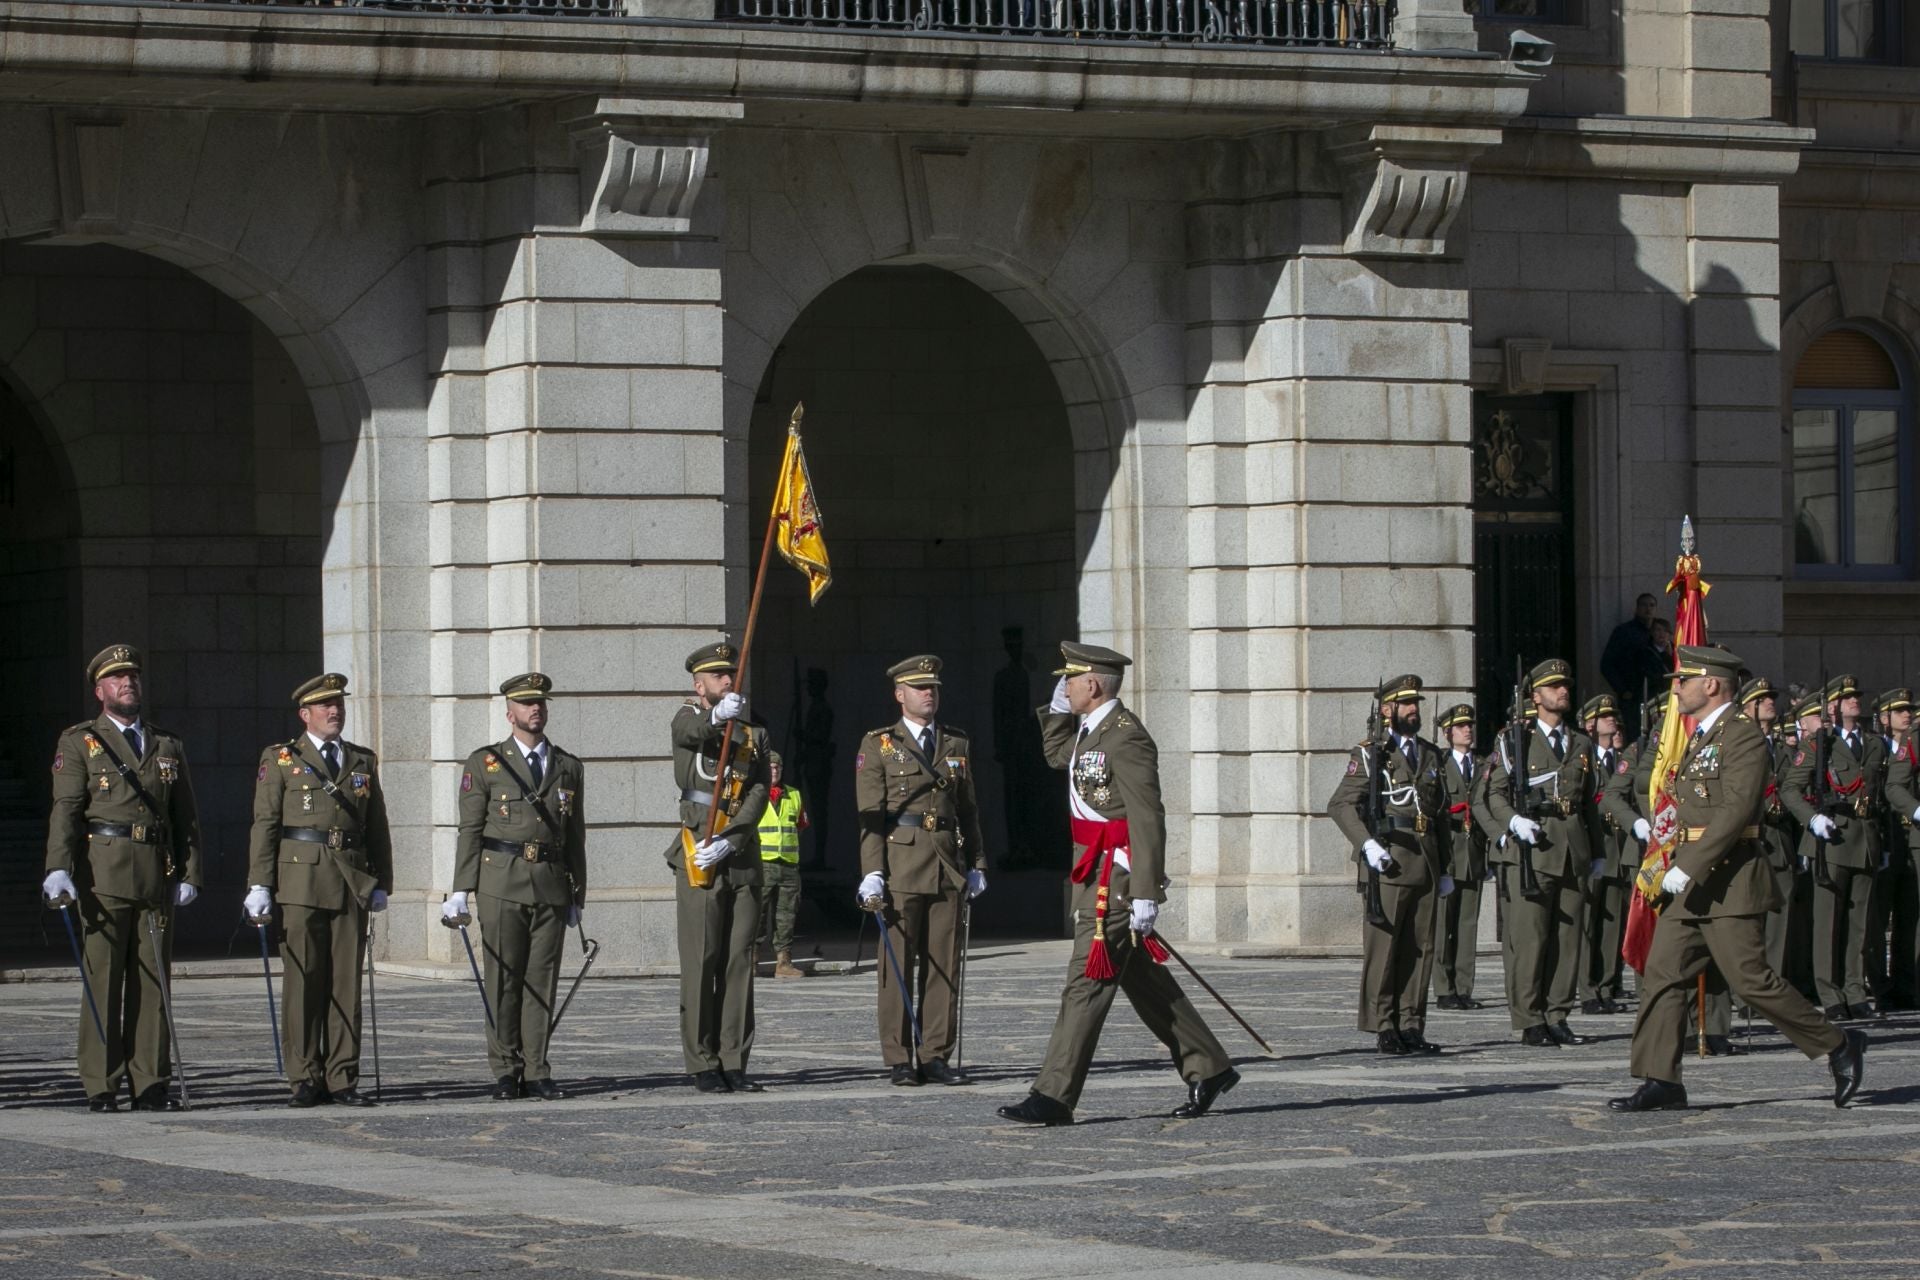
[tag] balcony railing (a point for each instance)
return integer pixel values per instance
(1353, 24)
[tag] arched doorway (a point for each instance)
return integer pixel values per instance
(940, 446)
(186, 514)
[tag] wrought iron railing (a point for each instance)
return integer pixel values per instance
(1363, 24)
(535, 8)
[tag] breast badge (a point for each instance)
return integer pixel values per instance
(362, 785)
(93, 746)
(169, 769)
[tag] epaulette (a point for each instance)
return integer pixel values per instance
(885, 728)
(160, 731)
(693, 704)
(82, 727)
(956, 731)
(1741, 715)
(354, 746)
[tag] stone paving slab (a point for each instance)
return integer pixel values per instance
(1328, 1160)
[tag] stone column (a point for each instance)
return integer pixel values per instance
(577, 464)
(1330, 473)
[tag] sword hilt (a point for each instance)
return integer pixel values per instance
(460, 921)
(60, 903)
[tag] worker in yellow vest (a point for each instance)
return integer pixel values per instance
(780, 827)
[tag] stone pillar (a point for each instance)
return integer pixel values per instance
(577, 474)
(1330, 478)
(1434, 26)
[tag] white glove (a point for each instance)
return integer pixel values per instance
(1145, 912)
(184, 894)
(1059, 701)
(1916, 815)
(1642, 830)
(1377, 857)
(378, 902)
(259, 903)
(56, 884)
(455, 906)
(976, 883)
(730, 707)
(1446, 886)
(1822, 826)
(1525, 830)
(709, 853)
(1675, 881)
(573, 915)
(872, 886)
(1596, 868)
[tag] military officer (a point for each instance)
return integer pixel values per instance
(920, 851)
(1119, 840)
(1547, 857)
(717, 919)
(1610, 872)
(1841, 813)
(522, 852)
(1899, 891)
(1466, 854)
(123, 841)
(1778, 830)
(1717, 891)
(320, 845)
(1400, 847)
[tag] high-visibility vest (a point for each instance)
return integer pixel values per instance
(780, 825)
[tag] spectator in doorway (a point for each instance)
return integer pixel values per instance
(1627, 662)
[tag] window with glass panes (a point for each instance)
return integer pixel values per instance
(1844, 30)
(1852, 460)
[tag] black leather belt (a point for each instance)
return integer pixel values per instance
(691, 796)
(924, 821)
(332, 837)
(138, 832)
(1417, 826)
(527, 850)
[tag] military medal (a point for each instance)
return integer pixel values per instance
(169, 769)
(93, 746)
(1101, 797)
(566, 800)
(361, 785)
(105, 782)
(493, 763)
(503, 811)
(306, 801)
(1700, 789)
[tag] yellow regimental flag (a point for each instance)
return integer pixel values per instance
(796, 517)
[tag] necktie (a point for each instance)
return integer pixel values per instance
(926, 742)
(1466, 767)
(1411, 750)
(332, 753)
(1553, 740)
(1853, 743)
(533, 767)
(132, 735)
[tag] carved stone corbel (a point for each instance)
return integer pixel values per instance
(87, 157)
(1524, 363)
(643, 162)
(1403, 184)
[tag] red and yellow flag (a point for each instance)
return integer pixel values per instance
(796, 516)
(1689, 627)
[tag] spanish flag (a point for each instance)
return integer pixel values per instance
(796, 516)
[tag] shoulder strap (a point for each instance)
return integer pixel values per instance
(133, 779)
(539, 806)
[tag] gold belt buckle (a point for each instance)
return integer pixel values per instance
(140, 833)
(336, 838)
(1419, 824)
(930, 821)
(1860, 806)
(530, 851)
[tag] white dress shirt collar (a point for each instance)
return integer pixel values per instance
(1092, 719)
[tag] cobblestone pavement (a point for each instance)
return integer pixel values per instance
(1493, 1160)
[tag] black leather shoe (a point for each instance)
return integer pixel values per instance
(936, 1071)
(1722, 1047)
(1468, 1002)
(1652, 1095)
(1390, 1043)
(1848, 1063)
(545, 1090)
(1038, 1109)
(507, 1088)
(1418, 1043)
(1537, 1037)
(739, 1082)
(906, 1075)
(155, 1098)
(1564, 1034)
(1447, 1002)
(352, 1097)
(1201, 1095)
(1837, 1013)
(1594, 1008)
(103, 1102)
(305, 1094)
(711, 1082)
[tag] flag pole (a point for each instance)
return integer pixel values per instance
(746, 650)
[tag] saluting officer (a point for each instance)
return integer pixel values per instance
(1466, 854)
(920, 850)
(1401, 846)
(1610, 873)
(1717, 889)
(1899, 890)
(718, 922)
(123, 841)
(1844, 818)
(321, 846)
(523, 851)
(1119, 846)
(1549, 828)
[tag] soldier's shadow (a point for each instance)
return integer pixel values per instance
(1446, 1093)
(1898, 1097)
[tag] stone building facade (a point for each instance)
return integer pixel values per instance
(433, 349)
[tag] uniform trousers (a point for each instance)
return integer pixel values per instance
(717, 926)
(925, 931)
(1840, 916)
(1397, 958)
(123, 970)
(1541, 947)
(523, 944)
(320, 961)
(1459, 939)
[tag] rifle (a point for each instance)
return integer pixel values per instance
(1518, 740)
(1375, 756)
(1822, 795)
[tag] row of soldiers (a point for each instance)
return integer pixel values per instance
(1561, 843)
(124, 853)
